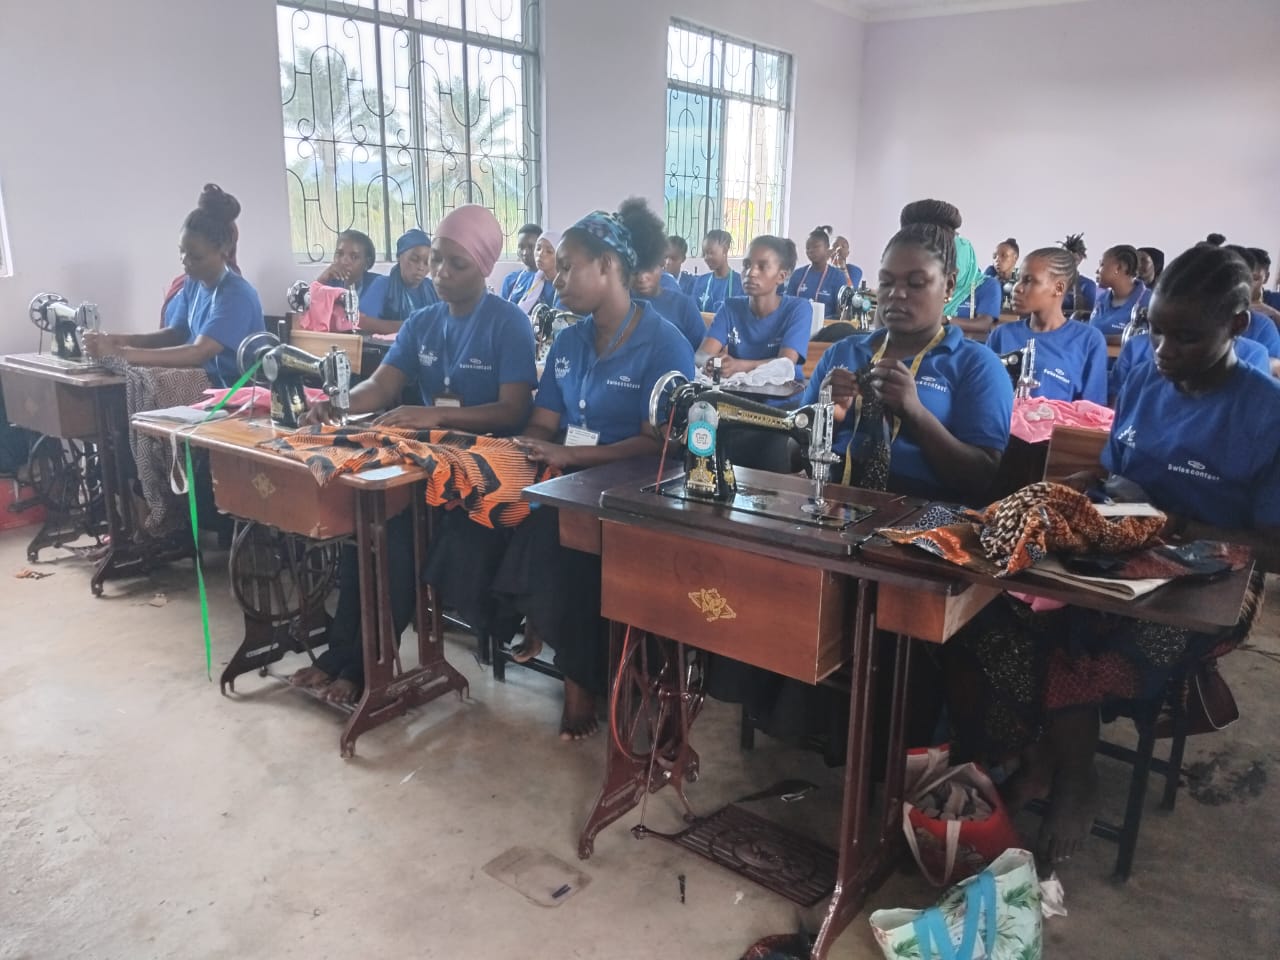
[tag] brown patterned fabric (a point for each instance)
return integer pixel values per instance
(483, 475)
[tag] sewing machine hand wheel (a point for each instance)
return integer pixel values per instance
(39, 309)
(298, 299)
(251, 349)
(661, 397)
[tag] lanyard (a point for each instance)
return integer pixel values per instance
(728, 289)
(195, 301)
(472, 321)
(608, 351)
(857, 403)
(821, 280)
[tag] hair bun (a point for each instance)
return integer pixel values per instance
(936, 213)
(1216, 239)
(218, 203)
(1012, 242)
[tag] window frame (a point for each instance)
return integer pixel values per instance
(378, 16)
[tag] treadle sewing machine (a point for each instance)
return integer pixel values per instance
(547, 323)
(51, 313)
(287, 369)
(701, 415)
(857, 306)
(298, 299)
(1138, 326)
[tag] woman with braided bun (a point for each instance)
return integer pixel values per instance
(1078, 303)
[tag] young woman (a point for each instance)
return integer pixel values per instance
(1138, 352)
(840, 260)
(1260, 261)
(673, 263)
(821, 280)
(1071, 358)
(220, 203)
(541, 289)
(591, 408)
(1004, 261)
(408, 288)
(1262, 327)
(673, 306)
(921, 410)
(762, 326)
(1195, 430)
(712, 289)
(1121, 292)
(353, 260)
(471, 357)
(1078, 303)
(215, 310)
(1150, 265)
(516, 283)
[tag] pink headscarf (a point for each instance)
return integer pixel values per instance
(475, 229)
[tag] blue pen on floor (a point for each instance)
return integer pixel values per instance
(557, 894)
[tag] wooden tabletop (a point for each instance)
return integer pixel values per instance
(241, 436)
(42, 365)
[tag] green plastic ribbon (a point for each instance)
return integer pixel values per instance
(195, 519)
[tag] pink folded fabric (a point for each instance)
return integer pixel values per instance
(1035, 418)
(325, 314)
(259, 396)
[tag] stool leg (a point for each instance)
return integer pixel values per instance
(1173, 776)
(1137, 795)
(746, 732)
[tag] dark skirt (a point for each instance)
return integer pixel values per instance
(1011, 668)
(462, 563)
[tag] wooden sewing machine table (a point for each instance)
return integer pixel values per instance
(738, 584)
(53, 398)
(262, 486)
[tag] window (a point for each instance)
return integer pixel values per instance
(728, 110)
(398, 111)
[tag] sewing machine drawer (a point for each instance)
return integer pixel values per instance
(770, 613)
(45, 406)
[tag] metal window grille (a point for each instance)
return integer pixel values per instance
(397, 111)
(728, 117)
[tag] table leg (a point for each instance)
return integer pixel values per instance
(389, 690)
(864, 861)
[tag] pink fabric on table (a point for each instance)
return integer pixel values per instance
(1035, 418)
(260, 396)
(325, 314)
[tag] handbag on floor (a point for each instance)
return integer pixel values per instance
(992, 916)
(953, 817)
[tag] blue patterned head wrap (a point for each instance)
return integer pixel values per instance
(612, 232)
(412, 238)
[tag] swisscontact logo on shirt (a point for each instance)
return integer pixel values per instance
(1128, 436)
(1058, 374)
(623, 381)
(562, 367)
(475, 363)
(427, 358)
(1194, 468)
(932, 383)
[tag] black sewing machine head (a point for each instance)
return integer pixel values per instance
(52, 314)
(287, 369)
(1138, 326)
(857, 306)
(1012, 365)
(547, 323)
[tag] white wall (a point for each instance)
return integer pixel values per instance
(1150, 122)
(116, 115)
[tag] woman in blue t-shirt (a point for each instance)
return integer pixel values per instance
(921, 410)
(1078, 303)
(1071, 357)
(1195, 431)
(1121, 291)
(821, 279)
(388, 301)
(592, 407)
(212, 314)
(711, 290)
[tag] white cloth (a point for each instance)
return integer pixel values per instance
(779, 370)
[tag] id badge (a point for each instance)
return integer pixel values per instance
(446, 400)
(581, 437)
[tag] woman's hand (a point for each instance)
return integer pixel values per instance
(410, 417)
(333, 272)
(729, 366)
(896, 387)
(544, 451)
(99, 345)
(317, 413)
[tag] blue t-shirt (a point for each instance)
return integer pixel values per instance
(376, 301)
(1271, 298)
(960, 382)
(610, 395)
(682, 313)
(1071, 362)
(749, 337)
(227, 313)
(1111, 317)
(710, 292)
(516, 284)
(479, 353)
(822, 285)
(1214, 458)
(1263, 330)
(1088, 296)
(685, 280)
(669, 282)
(1137, 351)
(985, 300)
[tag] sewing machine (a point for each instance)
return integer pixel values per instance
(298, 299)
(287, 369)
(1027, 381)
(1138, 325)
(857, 306)
(547, 323)
(700, 416)
(51, 313)
(1013, 366)
(1006, 293)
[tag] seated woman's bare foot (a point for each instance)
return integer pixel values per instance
(310, 678)
(1032, 780)
(579, 718)
(530, 648)
(1072, 806)
(342, 690)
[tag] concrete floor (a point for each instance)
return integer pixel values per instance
(143, 815)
